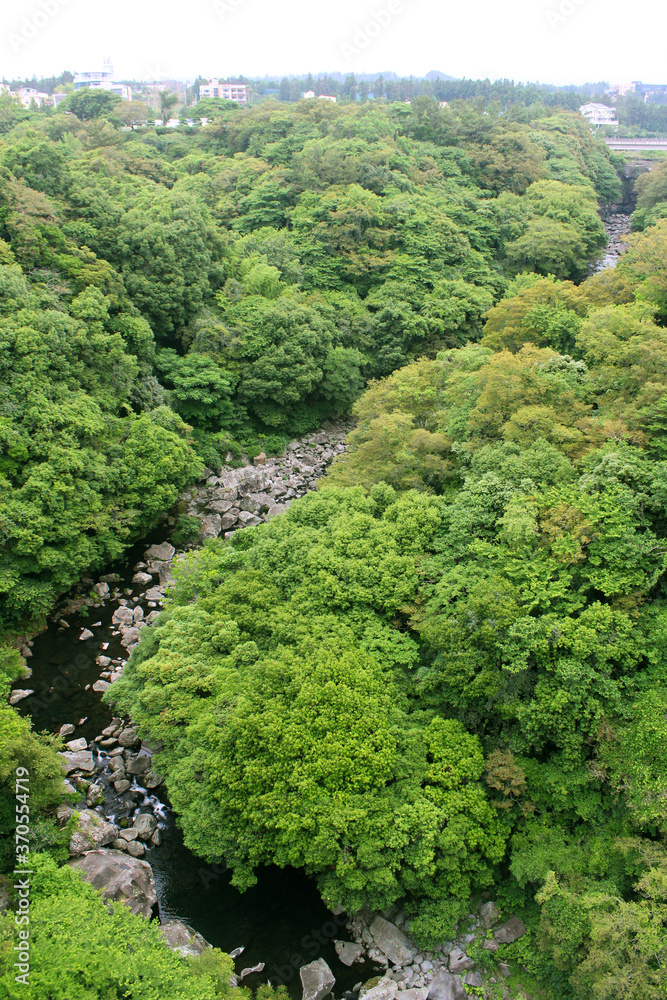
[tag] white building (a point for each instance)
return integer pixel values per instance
(309, 95)
(226, 91)
(598, 115)
(102, 80)
(27, 95)
(326, 97)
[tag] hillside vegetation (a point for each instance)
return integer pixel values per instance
(443, 672)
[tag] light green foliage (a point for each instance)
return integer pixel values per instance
(20, 747)
(79, 947)
(281, 696)
(81, 472)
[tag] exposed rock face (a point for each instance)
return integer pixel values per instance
(391, 941)
(121, 879)
(93, 832)
(164, 552)
(317, 980)
(183, 939)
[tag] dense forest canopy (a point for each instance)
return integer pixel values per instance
(444, 671)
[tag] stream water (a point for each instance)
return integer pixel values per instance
(281, 921)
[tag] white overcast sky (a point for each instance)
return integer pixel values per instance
(551, 41)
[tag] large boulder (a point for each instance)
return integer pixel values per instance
(391, 941)
(317, 980)
(123, 615)
(510, 931)
(348, 952)
(446, 986)
(145, 825)
(183, 939)
(211, 526)
(79, 761)
(120, 878)
(459, 961)
(92, 831)
(164, 552)
(379, 989)
(488, 914)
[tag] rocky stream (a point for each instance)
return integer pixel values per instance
(124, 838)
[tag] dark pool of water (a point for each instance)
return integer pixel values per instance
(281, 921)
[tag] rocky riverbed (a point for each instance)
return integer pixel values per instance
(617, 226)
(117, 810)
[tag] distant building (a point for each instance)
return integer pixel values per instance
(102, 80)
(598, 115)
(58, 99)
(444, 104)
(327, 97)
(309, 95)
(226, 91)
(27, 95)
(651, 93)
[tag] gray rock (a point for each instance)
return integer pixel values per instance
(128, 738)
(459, 961)
(183, 939)
(123, 616)
(510, 931)
(317, 980)
(490, 945)
(164, 552)
(66, 729)
(446, 986)
(119, 844)
(122, 785)
(416, 993)
(129, 834)
(129, 637)
(488, 914)
(135, 849)
(143, 579)
(472, 979)
(219, 506)
(102, 590)
(94, 795)
(86, 634)
(103, 661)
(101, 686)
(211, 526)
(138, 765)
(348, 952)
(19, 694)
(503, 969)
(249, 520)
(145, 825)
(275, 509)
(379, 989)
(391, 941)
(92, 832)
(121, 879)
(63, 813)
(80, 761)
(152, 780)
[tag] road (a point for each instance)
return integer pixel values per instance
(638, 144)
